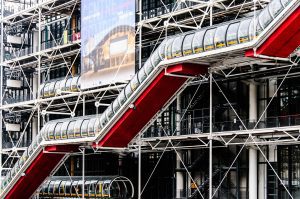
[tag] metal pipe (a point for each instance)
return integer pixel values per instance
(83, 169)
(210, 137)
(1, 86)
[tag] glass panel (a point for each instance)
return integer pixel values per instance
(57, 86)
(162, 50)
(42, 90)
(64, 128)
(58, 131)
(103, 120)
(265, 17)
(62, 188)
(155, 58)
(51, 89)
(62, 85)
(243, 33)
(121, 97)
(46, 90)
(68, 188)
(285, 2)
(142, 75)
(51, 188)
(84, 128)
(128, 91)
(74, 86)
(232, 34)
(56, 187)
(251, 29)
(77, 128)
(177, 47)
(148, 67)
(70, 131)
(169, 48)
(116, 105)
(209, 40)
(134, 83)
(275, 7)
(97, 127)
(74, 188)
(220, 36)
(187, 44)
(198, 41)
(68, 84)
(51, 130)
(91, 131)
(109, 112)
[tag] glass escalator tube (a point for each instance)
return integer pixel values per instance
(77, 128)
(109, 112)
(128, 90)
(57, 131)
(51, 89)
(57, 86)
(46, 90)
(134, 82)
(84, 128)
(197, 44)
(62, 85)
(155, 58)
(44, 190)
(220, 36)
(51, 130)
(116, 105)
(168, 49)
(62, 188)
(91, 125)
(285, 3)
(103, 120)
(208, 41)
(177, 46)
(74, 84)
(70, 131)
(97, 127)
(142, 75)
(121, 98)
(51, 188)
(148, 67)
(64, 129)
(187, 48)
(68, 84)
(162, 50)
(265, 17)
(275, 7)
(42, 90)
(56, 187)
(68, 188)
(244, 30)
(232, 34)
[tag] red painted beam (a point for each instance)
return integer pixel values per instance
(38, 171)
(153, 98)
(283, 41)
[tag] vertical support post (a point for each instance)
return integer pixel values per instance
(252, 151)
(140, 168)
(252, 173)
(1, 86)
(83, 105)
(39, 72)
(179, 174)
(210, 136)
(83, 169)
(140, 66)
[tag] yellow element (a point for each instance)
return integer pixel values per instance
(244, 39)
(220, 45)
(194, 185)
(187, 52)
(210, 47)
(178, 54)
(232, 42)
(198, 50)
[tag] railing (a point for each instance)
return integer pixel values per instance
(44, 46)
(196, 125)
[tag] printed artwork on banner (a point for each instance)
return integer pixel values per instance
(108, 42)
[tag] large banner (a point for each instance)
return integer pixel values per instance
(107, 42)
